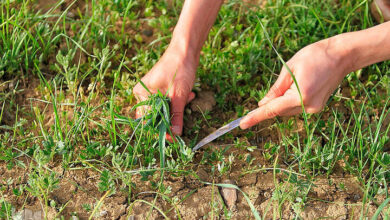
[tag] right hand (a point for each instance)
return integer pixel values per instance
(318, 69)
(173, 72)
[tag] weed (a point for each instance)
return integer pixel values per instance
(66, 103)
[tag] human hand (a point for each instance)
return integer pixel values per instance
(318, 69)
(173, 75)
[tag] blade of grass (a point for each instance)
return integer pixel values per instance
(380, 209)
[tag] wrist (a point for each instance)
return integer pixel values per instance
(359, 49)
(338, 50)
(181, 48)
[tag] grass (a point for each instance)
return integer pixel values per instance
(66, 79)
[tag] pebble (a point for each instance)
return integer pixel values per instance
(356, 197)
(147, 32)
(103, 213)
(71, 15)
(229, 195)
(11, 85)
(29, 214)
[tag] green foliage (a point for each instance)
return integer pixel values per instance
(106, 182)
(6, 209)
(88, 59)
(41, 182)
(157, 123)
(24, 39)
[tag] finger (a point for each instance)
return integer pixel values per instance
(141, 95)
(294, 111)
(170, 138)
(281, 85)
(141, 111)
(191, 97)
(177, 105)
(177, 122)
(276, 107)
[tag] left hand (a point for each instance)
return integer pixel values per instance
(318, 68)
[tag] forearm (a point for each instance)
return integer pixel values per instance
(196, 19)
(362, 48)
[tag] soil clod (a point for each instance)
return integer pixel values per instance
(204, 102)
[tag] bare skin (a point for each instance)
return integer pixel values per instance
(177, 67)
(319, 68)
(381, 10)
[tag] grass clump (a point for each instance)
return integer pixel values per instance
(67, 115)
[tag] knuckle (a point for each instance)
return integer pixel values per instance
(306, 97)
(275, 90)
(270, 112)
(314, 109)
(177, 113)
(182, 89)
(137, 89)
(177, 116)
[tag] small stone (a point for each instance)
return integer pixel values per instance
(11, 85)
(103, 213)
(229, 195)
(71, 15)
(147, 32)
(356, 197)
(31, 214)
(203, 175)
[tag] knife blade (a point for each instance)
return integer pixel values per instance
(216, 134)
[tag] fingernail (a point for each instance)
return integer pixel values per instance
(176, 130)
(243, 124)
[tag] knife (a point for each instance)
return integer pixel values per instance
(216, 134)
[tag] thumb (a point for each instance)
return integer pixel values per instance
(191, 97)
(281, 106)
(281, 85)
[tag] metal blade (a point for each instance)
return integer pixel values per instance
(221, 131)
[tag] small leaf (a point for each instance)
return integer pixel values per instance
(161, 143)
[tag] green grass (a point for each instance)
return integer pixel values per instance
(78, 63)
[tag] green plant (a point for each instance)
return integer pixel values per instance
(40, 183)
(6, 209)
(66, 106)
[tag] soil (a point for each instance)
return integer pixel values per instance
(204, 102)
(79, 187)
(338, 196)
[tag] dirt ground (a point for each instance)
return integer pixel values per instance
(338, 196)
(79, 187)
(198, 200)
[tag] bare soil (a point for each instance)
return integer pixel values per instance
(78, 187)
